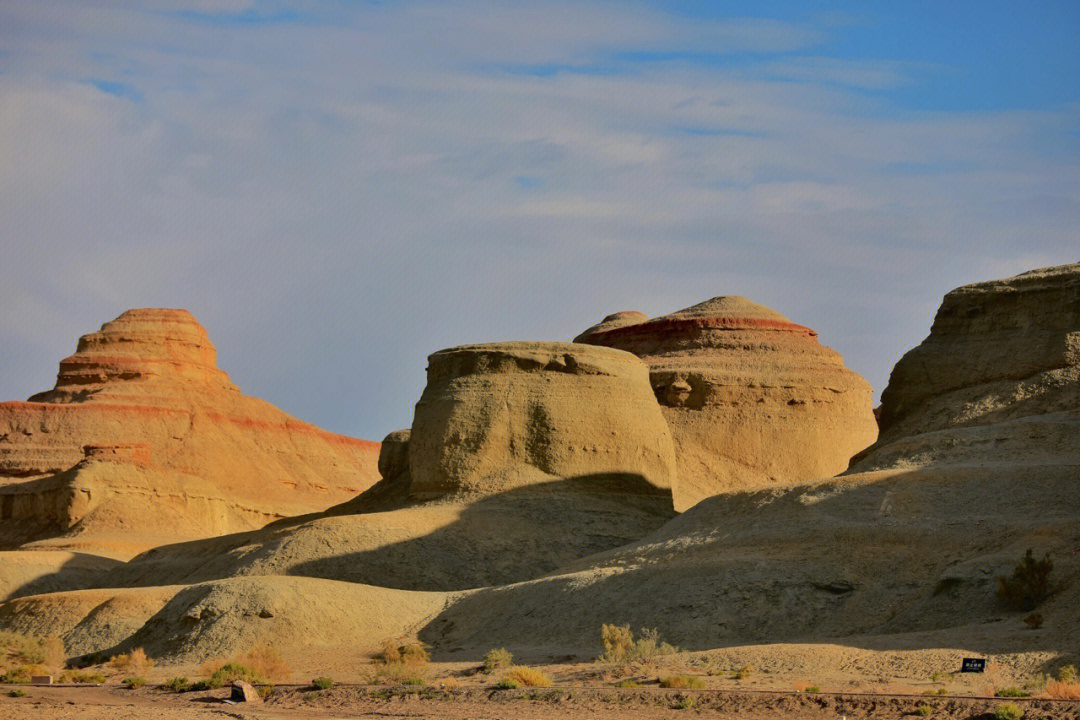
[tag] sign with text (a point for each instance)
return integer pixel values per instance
(973, 665)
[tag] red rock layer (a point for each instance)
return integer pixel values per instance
(150, 378)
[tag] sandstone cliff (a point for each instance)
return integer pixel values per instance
(752, 399)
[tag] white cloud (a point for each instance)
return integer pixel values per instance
(335, 197)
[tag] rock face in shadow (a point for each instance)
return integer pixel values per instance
(752, 399)
(505, 415)
(142, 419)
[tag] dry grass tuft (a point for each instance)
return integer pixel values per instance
(682, 682)
(267, 662)
(527, 676)
(1062, 690)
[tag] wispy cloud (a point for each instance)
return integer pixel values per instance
(338, 189)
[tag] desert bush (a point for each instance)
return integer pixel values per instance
(742, 673)
(135, 661)
(527, 676)
(1012, 692)
(83, 677)
(682, 682)
(19, 674)
(497, 659)
(813, 689)
(264, 691)
(683, 703)
(1008, 711)
(399, 674)
(267, 663)
(393, 652)
(16, 693)
(1062, 690)
(53, 651)
(620, 647)
(1036, 682)
(628, 684)
(24, 649)
(1067, 674)
(923, 710)
(1029, 584)
(177, 684)
(414, 680)
(133, 682)
(506, 684)
(322, 683)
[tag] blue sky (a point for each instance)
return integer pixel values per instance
(338, 189)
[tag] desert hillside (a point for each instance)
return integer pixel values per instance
(534, 499)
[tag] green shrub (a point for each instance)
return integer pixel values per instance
(506, 684)
(813, 689)
(682, 682)
(1067, 674)
(16, 693)
(264, 691)
(497, 659)
(683, 703)
(1011, 692)
(133, 682)
(621, 648)
(923, 710)
(322, 683)
(628, 684)
(177, 684)
(1029, 584)
(1008, 711)
(414, 680)
(742, 673)
(200, 685)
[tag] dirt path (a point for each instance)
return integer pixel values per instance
(112, 703)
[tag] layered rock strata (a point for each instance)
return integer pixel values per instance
(522, 457)
(752, 399)
(144, 393)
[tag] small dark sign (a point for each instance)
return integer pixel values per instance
(973, 665)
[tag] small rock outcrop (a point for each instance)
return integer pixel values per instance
(144, 393)
(752, 399)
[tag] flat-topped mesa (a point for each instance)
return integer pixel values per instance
(147, 386)
(997, 351)
(752, 398)
(506, 415)
(138, 352)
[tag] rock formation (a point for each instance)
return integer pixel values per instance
(507, 415)
(997, 350)
(144, 440)
(752, 399)
(895, 559)
(522, 457)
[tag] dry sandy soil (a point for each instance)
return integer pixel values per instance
(112, 703)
